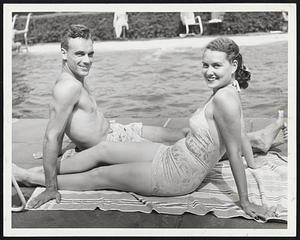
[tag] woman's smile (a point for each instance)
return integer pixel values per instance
(211, 78)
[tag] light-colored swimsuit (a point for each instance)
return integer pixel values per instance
(179, 169)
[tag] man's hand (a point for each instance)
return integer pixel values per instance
(44, 197)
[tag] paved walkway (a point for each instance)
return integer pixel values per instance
(167, 44)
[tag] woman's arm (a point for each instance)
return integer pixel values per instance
(227, 114)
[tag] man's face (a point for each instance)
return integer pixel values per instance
(79, 56)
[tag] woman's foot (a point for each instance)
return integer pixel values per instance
(269, 137)
(21, 175)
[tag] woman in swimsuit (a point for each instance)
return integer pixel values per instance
(160, 170)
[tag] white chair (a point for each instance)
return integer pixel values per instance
(216, 17)
(215, 23)
(188, 19)
(14, 20)
(24, 31)
(20, 195)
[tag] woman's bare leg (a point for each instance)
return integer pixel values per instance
(133, 177)
(105, 153)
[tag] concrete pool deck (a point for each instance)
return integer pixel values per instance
(168, 44)
(27, 139)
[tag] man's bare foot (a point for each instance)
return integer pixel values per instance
(38, 169)
(21, 175)
(281, 137)
(266, 138)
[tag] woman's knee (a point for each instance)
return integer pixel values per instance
(108, 178)
(121, 178)
(102, 150)
(100, 176)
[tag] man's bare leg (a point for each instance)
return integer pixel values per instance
(23, 176)
(273, 135)
(281, 138)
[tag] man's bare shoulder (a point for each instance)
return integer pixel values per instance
(67, 87)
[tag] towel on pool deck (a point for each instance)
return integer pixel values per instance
(217, 194)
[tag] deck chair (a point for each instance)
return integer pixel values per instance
(215, 23)
(285, 18)
(188, 19)
(24, 31)
(15, 45)
(20, 195)
(14, 20)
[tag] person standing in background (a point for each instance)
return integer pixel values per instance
(120, 24)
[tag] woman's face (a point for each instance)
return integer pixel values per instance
(217, 70)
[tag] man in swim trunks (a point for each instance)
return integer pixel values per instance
(74, 112)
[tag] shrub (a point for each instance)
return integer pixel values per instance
(45, 28)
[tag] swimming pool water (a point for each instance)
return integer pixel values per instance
(152, 83)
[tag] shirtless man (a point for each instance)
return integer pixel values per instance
(74, 112)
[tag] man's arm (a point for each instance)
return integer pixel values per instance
(65, 95)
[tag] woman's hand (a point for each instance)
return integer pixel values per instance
(258, 212)
(257, 164)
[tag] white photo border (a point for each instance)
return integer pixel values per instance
(7, 93)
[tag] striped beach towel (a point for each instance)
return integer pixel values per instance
(216, 194)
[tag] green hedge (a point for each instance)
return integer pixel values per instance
(144, 25)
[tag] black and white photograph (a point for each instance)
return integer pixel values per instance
(149, 119)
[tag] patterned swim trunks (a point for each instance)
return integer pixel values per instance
(131, 132)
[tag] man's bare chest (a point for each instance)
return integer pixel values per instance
(87, 102)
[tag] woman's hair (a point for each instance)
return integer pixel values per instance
(74, 31)
(228, 46)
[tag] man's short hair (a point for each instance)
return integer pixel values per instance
(74, 31)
